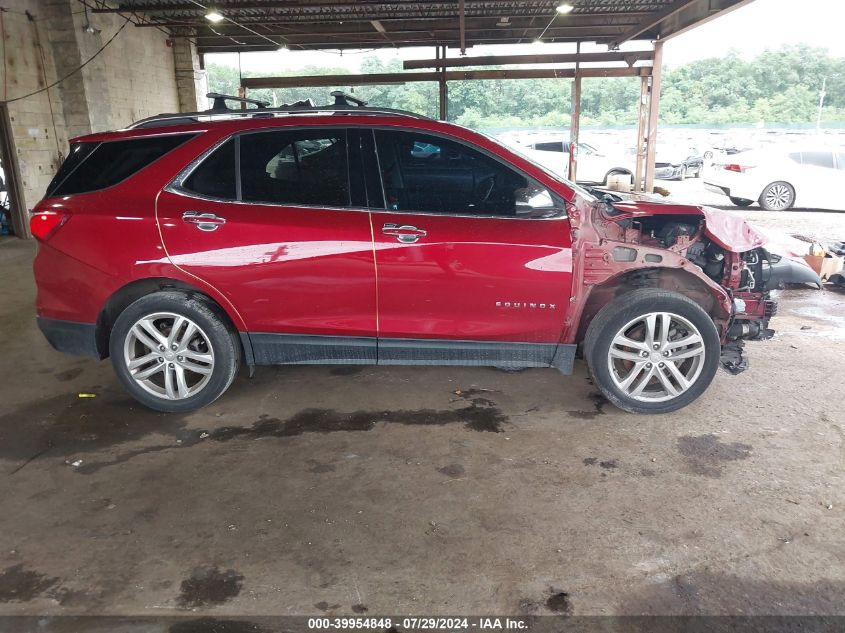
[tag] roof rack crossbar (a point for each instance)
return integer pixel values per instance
(220, 100)
(344, 104)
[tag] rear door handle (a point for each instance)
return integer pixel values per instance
(404, 233)
(203, 221)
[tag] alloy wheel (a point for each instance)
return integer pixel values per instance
(778, 197)
(168, 355)
(656, 357)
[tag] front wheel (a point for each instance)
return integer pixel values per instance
(174, 352)
(778, 196)
(652, 351)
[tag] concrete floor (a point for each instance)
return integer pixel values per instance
(339, 490)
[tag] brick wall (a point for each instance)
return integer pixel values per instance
(134, 77)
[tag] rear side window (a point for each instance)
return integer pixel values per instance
(295, 167)
(78, 153)
(550, 147)
(818, 159)
(108, 163)
(215, 176)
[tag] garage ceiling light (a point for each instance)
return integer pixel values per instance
(214, 15)
(564, 8)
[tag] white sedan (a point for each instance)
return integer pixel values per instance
(778, 180)
(552, 152)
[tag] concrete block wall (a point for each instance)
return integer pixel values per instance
(191, 79)
(134, 77)
(37, 122)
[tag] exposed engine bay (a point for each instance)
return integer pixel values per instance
(737, 272)
(747, 277)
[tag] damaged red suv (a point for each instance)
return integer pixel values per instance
(189, 245)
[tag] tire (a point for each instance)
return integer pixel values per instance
(778, 196)
(210, 351)
(741, 202)
(615, 172)
(628, 313)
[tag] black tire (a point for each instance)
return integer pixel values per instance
(616, 172)
(772, 192)
(623, 309)
(741, 202)
(222, 339)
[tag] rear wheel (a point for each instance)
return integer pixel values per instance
(174, 352)
(741, 202)
(652, 351)
(778, 196)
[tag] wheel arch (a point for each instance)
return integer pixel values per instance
(617, 171)
(124, 296)
(676, 280)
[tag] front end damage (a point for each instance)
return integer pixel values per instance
(715, 258)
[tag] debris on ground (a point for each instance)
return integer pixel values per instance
(87, 395)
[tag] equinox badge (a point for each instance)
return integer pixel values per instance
(523, 304)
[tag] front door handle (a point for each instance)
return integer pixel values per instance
(404, 233)
(203, 221)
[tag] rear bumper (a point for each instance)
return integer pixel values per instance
(70, 337)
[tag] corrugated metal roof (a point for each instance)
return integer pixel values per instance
(254, 25)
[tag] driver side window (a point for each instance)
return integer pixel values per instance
(431, 174)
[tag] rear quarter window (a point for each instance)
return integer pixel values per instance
(95, 166)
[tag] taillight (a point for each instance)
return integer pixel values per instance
(44, 223)
(740, 169)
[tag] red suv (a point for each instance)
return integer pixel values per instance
(188, 245)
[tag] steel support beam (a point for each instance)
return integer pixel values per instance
(642, 111)
(650, 22)
(653, 116)
(373, 79)
(628, 57)
(462, 26)
(575, 122)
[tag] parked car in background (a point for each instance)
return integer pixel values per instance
(552, 151)
(779, 179)
(677, 162)
(188, 245)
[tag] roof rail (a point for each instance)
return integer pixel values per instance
(343, 104)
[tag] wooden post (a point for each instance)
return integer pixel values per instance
(575, 123)
(444, 95)
(641, 128)
(653, 116)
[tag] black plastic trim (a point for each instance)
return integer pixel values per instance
(285, 349)
(71, 337)
(297, 349)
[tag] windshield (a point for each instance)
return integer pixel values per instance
(517, 150)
